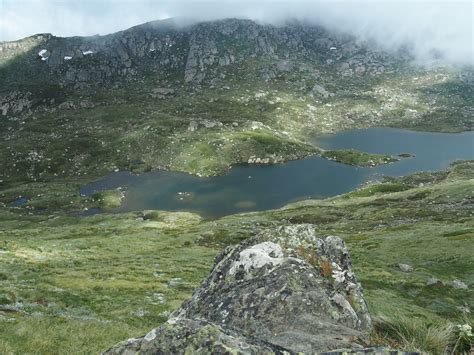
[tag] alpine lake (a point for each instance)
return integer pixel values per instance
(253, 187)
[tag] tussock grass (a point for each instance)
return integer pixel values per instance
(416, 334)
(82, 284)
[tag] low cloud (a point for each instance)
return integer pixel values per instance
(442, 27)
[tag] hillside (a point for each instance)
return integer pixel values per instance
(201, 97)
(87, 283)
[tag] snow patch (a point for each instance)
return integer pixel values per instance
(66, 57)
(43, 54)
(87, 52)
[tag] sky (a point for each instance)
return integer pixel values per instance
(445, 26)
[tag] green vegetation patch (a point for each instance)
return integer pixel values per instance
(358, 158)
(378, 189)
(87, 283)
(109, 199)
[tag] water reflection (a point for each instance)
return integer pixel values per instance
(253, 187)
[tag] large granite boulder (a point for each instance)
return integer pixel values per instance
(187, 336)
(285, 290)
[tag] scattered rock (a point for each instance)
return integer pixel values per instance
(193, 125)
(318, 89)
(405, 267)
(285, 66)
(434, 282)
(267, 74)
(162, 93)
(15, 103)
(175, 282)
(459, 284)
(256, 160)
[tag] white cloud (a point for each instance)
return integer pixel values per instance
(445, 26)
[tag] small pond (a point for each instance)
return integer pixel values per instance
(261, 187)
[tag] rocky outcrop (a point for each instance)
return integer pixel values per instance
(179, 57)
(283, 291)
(180, 336)
(15, 103)
(195, 51)
(162, 93)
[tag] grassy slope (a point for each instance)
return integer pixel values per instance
(70, 284)
(126, 128)
(86, 283)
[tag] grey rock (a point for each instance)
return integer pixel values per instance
(197, 53)
(67, 105)
(405, 267)
(193, 125)
(285, 66)
(267, 74)
(86, 104)
(175, 282)
(459, 284)
(162, 93)
(283, 290)
(434, 282)
(318, 89)
(15, 103)
(186, 336)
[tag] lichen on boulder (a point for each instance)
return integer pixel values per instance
(284, 290)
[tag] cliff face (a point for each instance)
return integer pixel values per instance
(192, 52)
(285, 290)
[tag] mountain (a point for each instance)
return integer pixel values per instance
(228, 91)
(196, 54)
(198, 98)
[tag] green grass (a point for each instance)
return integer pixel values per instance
(82, 284)
(354, 157)
(108, 199)
(99, 278)
(378, 189)
(70, 284)
(418, 335)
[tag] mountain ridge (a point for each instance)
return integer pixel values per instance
(71, 282)
(230, 91)
(157, 37)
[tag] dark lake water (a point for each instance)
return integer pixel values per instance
(260, 187)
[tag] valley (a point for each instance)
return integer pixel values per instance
(129, 161)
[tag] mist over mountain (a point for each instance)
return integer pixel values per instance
(431, 29)
(202, 177)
